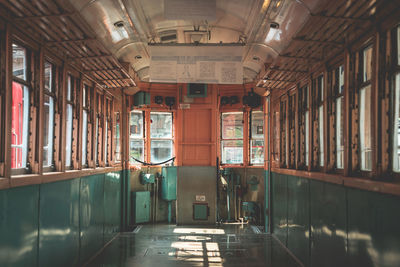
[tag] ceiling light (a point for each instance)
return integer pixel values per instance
(138, 57)
(119, 24)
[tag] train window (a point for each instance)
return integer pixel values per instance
(339, 105)
(396, 128)
(48, 130)
(107, 131)
(257, 138)
(85, 113)
(275, 136)
(398, 45)
(304, 107)
(117, 137)
(291, 131)
(20, 108)
(136, 136)
(232, 138)
(283, 133)
(365, 111)
(161, 142)
(69, 122)
(320, 84)
(318, 120)
(98, 129)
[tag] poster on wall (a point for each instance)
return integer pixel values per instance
(196, 64)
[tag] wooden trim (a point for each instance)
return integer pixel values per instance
(32, 179)
(8, 101)
(353, 182)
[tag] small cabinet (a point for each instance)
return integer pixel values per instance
(141, 207)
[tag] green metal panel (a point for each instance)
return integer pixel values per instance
(141, 98)
(168, 183)
(19, 226)
(59, 224)
(141, 206)
(91, 215)
(279, 207)
(328, 224)
(200, 212)
(299, 218)
(112, 205)
(373, 229)
(266, 203)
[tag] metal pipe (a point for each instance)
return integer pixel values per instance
(268, 227)
(169, 211)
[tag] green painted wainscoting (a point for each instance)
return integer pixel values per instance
(59, 224)
(328, 225)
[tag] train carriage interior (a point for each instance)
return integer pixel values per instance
(200, 133)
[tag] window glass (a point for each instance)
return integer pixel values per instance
(257, 124)
(339, 104)
(136, 133)
(48, 131)
(257, 138)
(232, 151)
(48, 76)
(257, 152)
(339, 133)
(232, 125)
(117, 138)
(68, 148)
(84, 137)
(398, 45)
(396, 128)
(19, 62)
(321, 135)
(106, 143)
(307, 127)
(136, 124)
(161, 150)
(19, 125)
(365, 128)
(367, 64)
(161, 125)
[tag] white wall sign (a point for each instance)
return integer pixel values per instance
(196, 64)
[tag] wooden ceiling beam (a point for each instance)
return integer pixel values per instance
(318, 42)
(45, 16)
(91, 57)
(301, 58)
(341, 17)
(71, 41)
(290, 71)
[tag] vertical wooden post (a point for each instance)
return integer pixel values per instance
(8, 102)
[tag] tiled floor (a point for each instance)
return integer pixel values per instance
(170, 245)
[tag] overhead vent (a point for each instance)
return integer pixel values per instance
(190, 10)
(197, 90)
(168, 36)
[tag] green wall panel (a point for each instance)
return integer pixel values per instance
(279, 209)
(349, 227)
(374, 233)
(112, 205)
(59, 224)
(299, 218)
(91, 215)
(328, 224)
(19, 226)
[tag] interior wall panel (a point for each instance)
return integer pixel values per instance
(59, 224)
(349, 227)
(299, 218)
(19, 226)
(328, 224)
